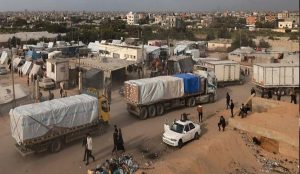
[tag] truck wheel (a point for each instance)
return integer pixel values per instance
(191, 102)
(211, 98)
(160, 109)
(152, 111)
(180, 143)
(143, 113)
(55, 146)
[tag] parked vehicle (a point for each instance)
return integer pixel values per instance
(180, 132)
(49, 125)
(152, 97)
(46, 83)
(276, 76)
(3, 70)
(227, 72)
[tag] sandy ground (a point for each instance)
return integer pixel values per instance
(214, 152)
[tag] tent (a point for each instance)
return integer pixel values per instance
(36, 69)
(27, 67)
(16, 62)
(4, 57)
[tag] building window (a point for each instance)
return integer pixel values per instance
(52, 68)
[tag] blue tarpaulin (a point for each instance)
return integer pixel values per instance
(191, 82)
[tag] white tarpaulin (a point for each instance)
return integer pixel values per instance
(6, 93)
(151, 90)
(35, 120)
(36, 69)
(4, 57)
(16, 62)
(26, 67)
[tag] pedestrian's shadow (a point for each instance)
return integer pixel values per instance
(203, 129)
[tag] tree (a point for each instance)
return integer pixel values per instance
(223, 33)
(243, 39)
(263, 44)
(210, 35)
(14, 41)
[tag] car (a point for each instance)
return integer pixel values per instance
(180, 132)
(47, 83)
(3, 70)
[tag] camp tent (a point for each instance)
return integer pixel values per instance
(27, 67)
(36, 69)
(4, 57)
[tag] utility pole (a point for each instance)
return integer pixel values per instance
(142, 54)
(12, 74)
(240, 38)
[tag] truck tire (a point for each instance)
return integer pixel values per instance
(152, 111)
(160, 109)
(191, 102)
(55, 146)
(143, 113)
(211, 98)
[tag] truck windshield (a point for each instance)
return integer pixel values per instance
(177, 128)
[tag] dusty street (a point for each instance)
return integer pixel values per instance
(136, 134)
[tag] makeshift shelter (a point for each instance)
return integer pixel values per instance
(27, 67)
(36, 70)
(4, 57)
(16, 62)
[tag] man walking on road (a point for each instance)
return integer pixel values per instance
(84, 143)
(222, 123)
(115, 138)
(89, 145)
(227, 100)
(200, 113)
(293, 97)
(253, 91)
(231, 108)
(61, 91)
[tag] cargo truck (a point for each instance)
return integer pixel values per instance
(49, 125)
(275, 77)
(227, 72)
(152, 97)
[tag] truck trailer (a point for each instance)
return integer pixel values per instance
(49, 125)
(282, 77)
(227, 72)
(152, 97)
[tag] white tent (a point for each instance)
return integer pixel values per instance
(26, 67)
(4, 57)
(36, 69)
(16, 62)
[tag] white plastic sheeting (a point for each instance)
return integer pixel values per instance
(35, 120)
(36, 69)
(4, 57)
(16, 62)
(151, 90)
(26, 67)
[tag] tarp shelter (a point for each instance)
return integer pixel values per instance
(16, 62)
(4, 57)
(36, 69)
(27, 67)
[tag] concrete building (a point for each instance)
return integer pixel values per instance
(270, 18)
(131, 53)
(219, 44)
(283, 15)
(285, 24)
(172, 22)
(132, 18)
(251, 20)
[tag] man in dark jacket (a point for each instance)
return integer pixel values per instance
(115, 138)
(253, 91)
(222, 123)
(84, 143)
(227, 100)
(231, 108)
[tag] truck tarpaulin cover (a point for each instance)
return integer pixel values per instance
(150, 90)
(35, 120)
(191, 82)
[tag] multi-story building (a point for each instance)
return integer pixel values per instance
(270, 18)
(283, 15)
(172, 22)
(132, 18)
(285, 24)
(251, 20)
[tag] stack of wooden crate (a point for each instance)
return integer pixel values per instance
(132, 92)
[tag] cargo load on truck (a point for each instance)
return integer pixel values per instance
(150, 90)
(31, 121)
(192, 83)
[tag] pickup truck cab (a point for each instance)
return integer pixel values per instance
(46, 83)
(180, 132)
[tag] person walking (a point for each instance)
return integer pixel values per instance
(115, 138)
(89, 144)
(253, 91)
(200, 113)
(61, 91)
(120, 145)
(28, 80)
(231, 107)
(278, 95)
(293, 97)
(227, 100)
(222, 123)
(51, 95)
(84, 143)
(270, 95)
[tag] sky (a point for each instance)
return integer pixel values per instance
(148, 5)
